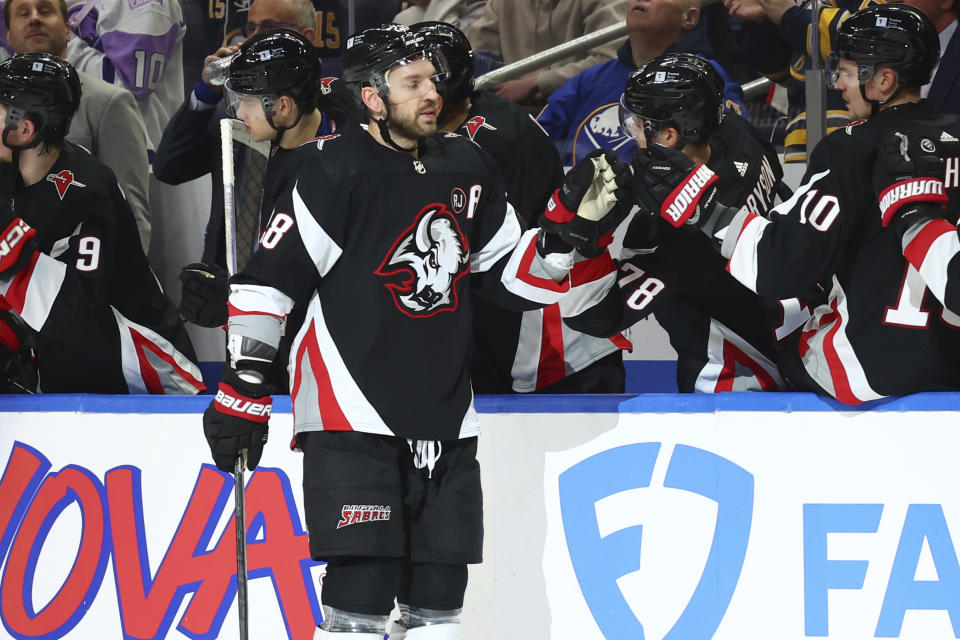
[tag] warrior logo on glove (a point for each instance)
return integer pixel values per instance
(432, 255)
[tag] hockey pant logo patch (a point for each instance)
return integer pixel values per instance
(357, 513)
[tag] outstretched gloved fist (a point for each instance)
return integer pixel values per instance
(595, 197)
(668, 183)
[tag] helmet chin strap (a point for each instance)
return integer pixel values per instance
(875, 105)
(385, 131)
(281, 130)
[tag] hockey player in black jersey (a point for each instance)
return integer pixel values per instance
(853, 225)
(532, 350)
(71, 265)
(725, 336)
(273, 88)
(382, 237)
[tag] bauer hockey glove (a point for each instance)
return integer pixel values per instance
(236, 420)
(16, 247)
(908, 180)
(204, 289)
(583, 213)
(670, 184)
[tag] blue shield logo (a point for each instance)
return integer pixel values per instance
(599, 561)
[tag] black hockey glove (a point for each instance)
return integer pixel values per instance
(16, 247)
(670, 184)
(908, 181)
(237, 419)
(204, 289)
(582, 214)
(18, 363)
(641, 233)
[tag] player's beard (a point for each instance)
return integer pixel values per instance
(410, 126)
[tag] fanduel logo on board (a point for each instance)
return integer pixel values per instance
(604, 560)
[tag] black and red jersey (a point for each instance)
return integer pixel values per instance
(532, 350)
(102, 321)
(880, 331)
(726, 337)
(384, 250)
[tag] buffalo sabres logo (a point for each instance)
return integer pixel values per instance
(474, 124)
(63, 181)
(602, 131)
(326, 87)
(432, 255)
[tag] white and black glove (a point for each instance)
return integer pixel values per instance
(583, 213)
(909, 181)
(682, 192)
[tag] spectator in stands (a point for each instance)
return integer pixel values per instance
(372, 13)
(582, 114)
(459, 13)
(137, 45)
(774, 35)
(944, 89)
(107, 122)
(224, 22)
(515, 29)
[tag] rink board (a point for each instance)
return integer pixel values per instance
(683, 517)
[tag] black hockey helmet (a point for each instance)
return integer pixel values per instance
(372, 53)
(42, 88)
(896, 34)
(459, 55)
(676, 89)
(274, 63)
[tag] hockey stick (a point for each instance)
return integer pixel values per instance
(240, 515)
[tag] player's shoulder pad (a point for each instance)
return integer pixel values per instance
(79, 175)
(455, 151)
(845, 144)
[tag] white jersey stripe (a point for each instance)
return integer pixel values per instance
(42, 290)
(744, 380)
(835, 365)
(321, 248)
(929, 249)
(524, 275)
(358, 411)
(743, 262)
(502, 242)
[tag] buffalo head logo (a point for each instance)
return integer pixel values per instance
(433, 255)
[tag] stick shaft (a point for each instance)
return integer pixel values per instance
(240, 512)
